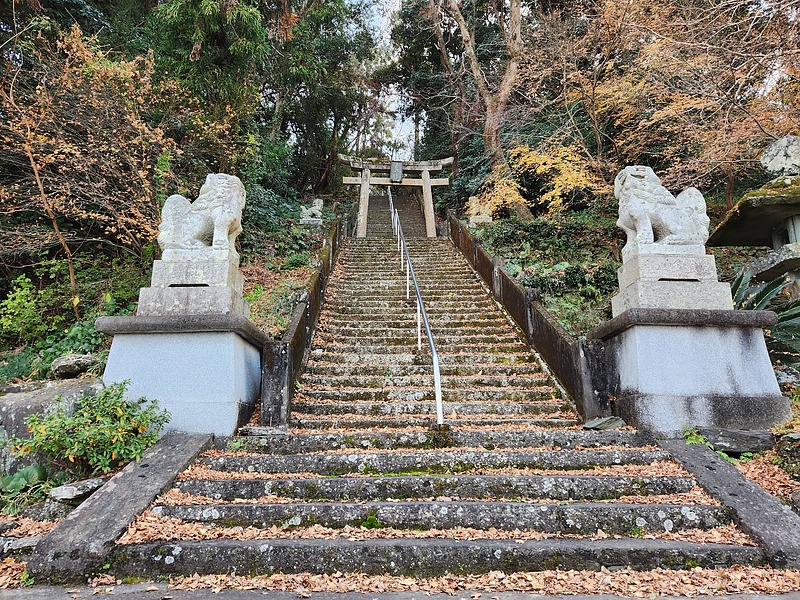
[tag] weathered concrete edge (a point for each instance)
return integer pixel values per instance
(237, 324)
(775, 527)
(683, 317)
(80, 544)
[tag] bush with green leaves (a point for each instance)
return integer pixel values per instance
(103, 433)
(26, 486)
(20, 316)
(783, 338)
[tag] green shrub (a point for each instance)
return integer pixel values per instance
(20, 317)
(34, 360)
(104, 432)
(26, 486)
(296, 260)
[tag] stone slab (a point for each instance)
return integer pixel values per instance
(79, 545)
(737, 441)
(198, 272)
(666, 267)
(398, 461)
(672, 295)
(576, 518)
(553, 487)
(204, 253)
(422, 558)
(633, 250)
(237, 324)
(683, 317)
(276, 441)
(174, 301)
(78, 491)
(759, 514)
(776, 262)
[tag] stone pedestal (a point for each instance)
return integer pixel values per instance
(678, 369)
(669, 276)
(204, 370)
(311, 222)
(479, 220)
(196, 281)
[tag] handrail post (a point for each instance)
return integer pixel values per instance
(419, 329)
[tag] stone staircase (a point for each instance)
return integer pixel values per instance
(361, 483)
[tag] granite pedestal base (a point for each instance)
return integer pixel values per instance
(675, 369)
(204, 370)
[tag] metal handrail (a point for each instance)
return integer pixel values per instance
(422, 316)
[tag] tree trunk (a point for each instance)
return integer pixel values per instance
(277, 116)
(495, 104)
(455, 81)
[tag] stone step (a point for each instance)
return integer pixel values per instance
(449, 343)
(351, 269)
(398, 293)
(266, 440)
(442, 461)
(494, 369)
(420, 558)
(387, 307)
(425, 381)
(409, 318)
(423, 408)
(408, 487)
(426, 395)
(425, 422)
(390, 267)
(574, 519)
(403, 356)
(492, 331)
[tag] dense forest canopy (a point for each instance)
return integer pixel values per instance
(544, 101)
(107, 107)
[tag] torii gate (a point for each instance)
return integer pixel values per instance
(397, 171)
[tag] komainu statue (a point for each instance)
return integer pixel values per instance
(649, 213)
(213, 219)
(312, 212)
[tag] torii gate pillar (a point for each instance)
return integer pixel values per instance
(388, 175)
(363, 203)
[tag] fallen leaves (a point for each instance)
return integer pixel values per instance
(152, 527)
(654, 469)
(29, 527)
(623, 582)
(763, 471)
(11, 571)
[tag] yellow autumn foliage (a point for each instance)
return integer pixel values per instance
(562, 172)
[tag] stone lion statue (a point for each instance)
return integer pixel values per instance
(213, 219)
(649, 214)
(312, 212)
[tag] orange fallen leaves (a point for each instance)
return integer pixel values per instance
(763, 471)
(624, 582)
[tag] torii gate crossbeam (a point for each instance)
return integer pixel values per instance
(394, 173)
